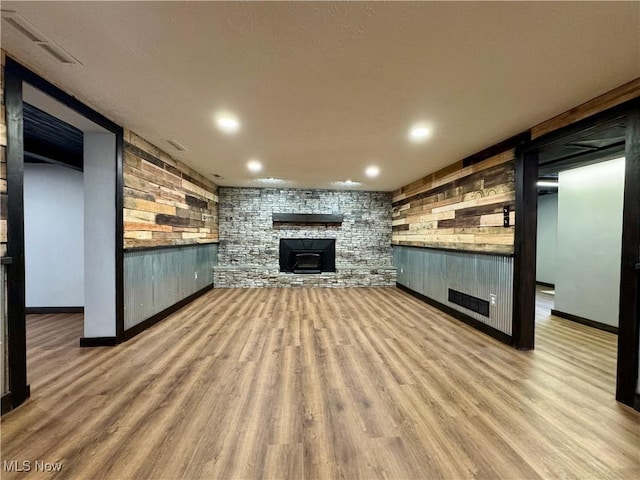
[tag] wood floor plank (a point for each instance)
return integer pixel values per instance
(319, 384)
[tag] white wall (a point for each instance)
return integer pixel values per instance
(54, 236)
(99, 234)
(590, 201)
(546, 256)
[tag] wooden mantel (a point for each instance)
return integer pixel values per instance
(307, 217)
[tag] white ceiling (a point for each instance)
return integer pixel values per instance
(325, 89)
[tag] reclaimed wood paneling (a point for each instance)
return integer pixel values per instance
(459, 208)
(599, 104)
(3, 166)
(165, 202)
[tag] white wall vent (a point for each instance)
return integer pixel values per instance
(27, 29)
(177, 145)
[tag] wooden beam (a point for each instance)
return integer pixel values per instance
(617, 96)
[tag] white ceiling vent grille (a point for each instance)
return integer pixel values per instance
(24, 27)
(177, 145)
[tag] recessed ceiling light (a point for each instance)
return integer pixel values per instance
(345, 183)
(547, 183)
(272, 181)
(254, 165)
(372, 171)
(227, 122)
(419, 132)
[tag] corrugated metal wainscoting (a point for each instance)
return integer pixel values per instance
(433, 272)
(156, 279)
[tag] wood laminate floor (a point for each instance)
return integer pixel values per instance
(322, 384)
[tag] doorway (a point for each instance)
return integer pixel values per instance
(605, 136)
(578, 266)
(102, 218)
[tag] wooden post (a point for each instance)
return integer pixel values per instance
(629, 315)
(524, 274)
(16, 328)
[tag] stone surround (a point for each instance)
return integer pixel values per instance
(258, 276)
(249, 239)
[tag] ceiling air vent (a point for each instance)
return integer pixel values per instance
(177, 145)
(23, 26)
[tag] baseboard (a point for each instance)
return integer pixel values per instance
(7, 406)
(585, 321)
(10, 401)
(545, 284)
(135, 330)
(98, 341)
(463, 317)
(52, 310)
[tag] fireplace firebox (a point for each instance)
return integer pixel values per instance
(307, 255)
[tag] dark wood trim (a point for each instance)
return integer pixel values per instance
(484, 328)
(576, 130)
(585, 321)
(545, 284)
(307, 218)
(6, 404)
(629, 313)
(636, 401)
(52, 310)
(168, 247)
(135, 330)
(471, 252)
(524, 269)
(119, 233)
(498, 148)
(63, 97)
(98, 341)
(582, 159)
(16, 298)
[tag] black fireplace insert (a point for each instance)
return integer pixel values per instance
(307, 255)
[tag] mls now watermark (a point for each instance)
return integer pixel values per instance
(29, 466)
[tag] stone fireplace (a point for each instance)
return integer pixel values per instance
(272, 237)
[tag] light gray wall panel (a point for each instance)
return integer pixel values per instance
(157, 279)
(590, 204)
(54, 236)
(433, 272)
(99, 235)
(547, 244)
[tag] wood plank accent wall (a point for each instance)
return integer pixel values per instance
(165, 202)
(459, 208)
(3, 165)
(617, 96)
